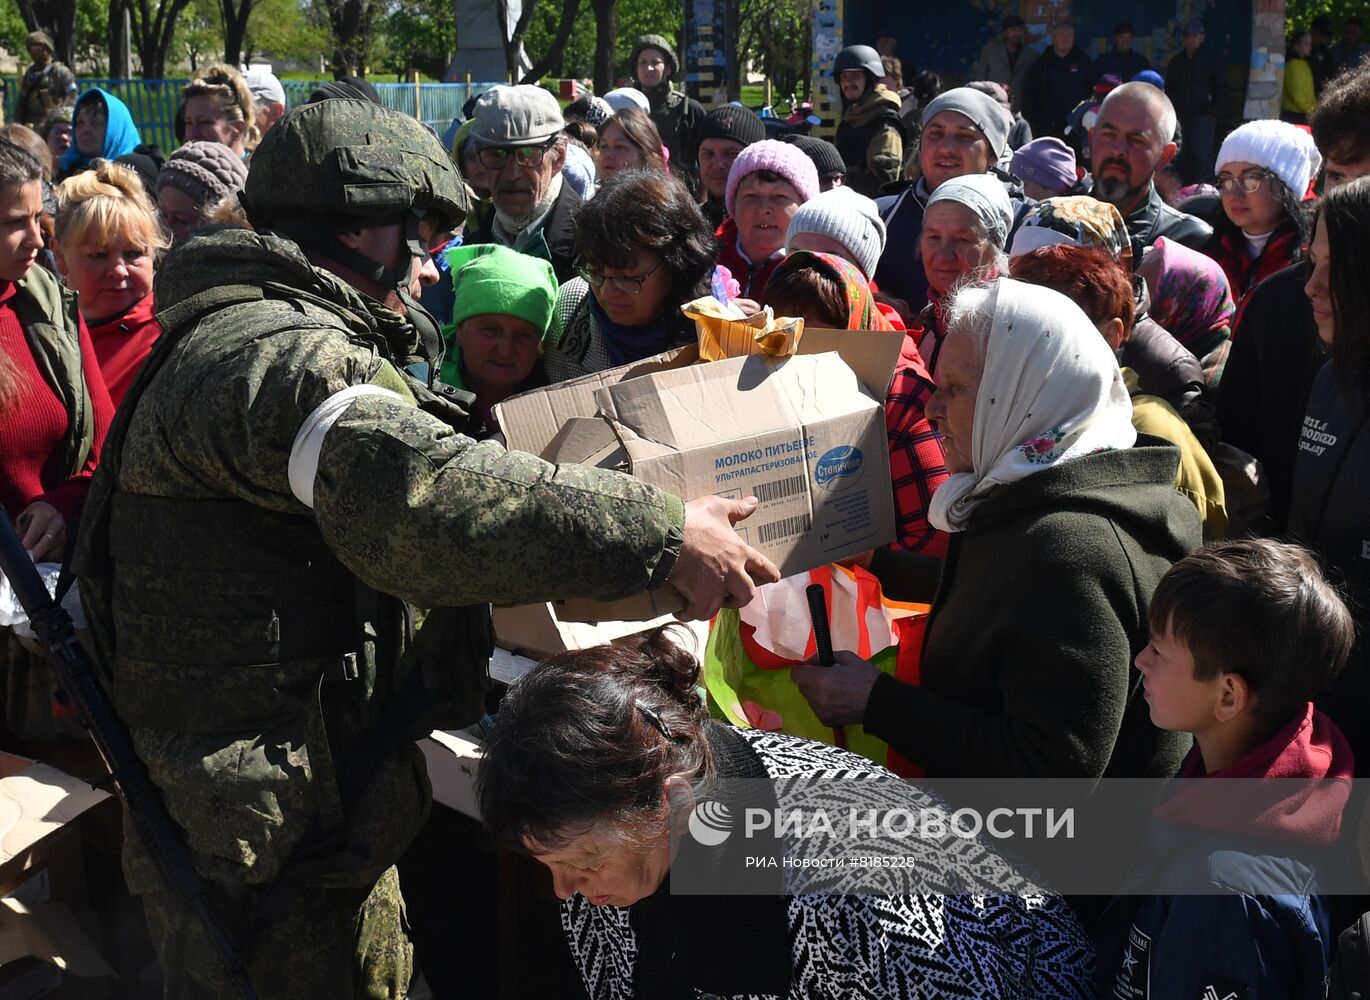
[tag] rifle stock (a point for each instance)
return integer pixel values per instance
(161, 836)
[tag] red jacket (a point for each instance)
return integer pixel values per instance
(751, 278)
(1245, 272)
(918, 461)
(122, 345)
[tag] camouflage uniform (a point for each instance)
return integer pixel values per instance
(255, 584)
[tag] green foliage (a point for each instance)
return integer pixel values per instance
(286, 30)
(415, 35)
(1298, 14)
(13, 30)
(633, 17)
(199, 36)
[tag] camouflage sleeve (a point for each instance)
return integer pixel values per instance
(420, 511)
(408, 504)
(885, 157)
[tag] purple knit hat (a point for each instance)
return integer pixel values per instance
(779, 157)
(1047, 161)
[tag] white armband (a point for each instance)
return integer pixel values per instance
(304, 453)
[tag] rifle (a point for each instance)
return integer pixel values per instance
(162, 838)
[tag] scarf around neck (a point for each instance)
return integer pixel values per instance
(1051, 391)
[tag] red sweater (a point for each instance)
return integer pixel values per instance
(918, 463)
(751, 278)
(122, 345)
(33, 429)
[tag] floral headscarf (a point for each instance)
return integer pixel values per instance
(862, 312)
(1190, 295)
(1051, 391)
(1078, 220)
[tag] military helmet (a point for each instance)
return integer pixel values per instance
(654, 42)
(346, 164)
(859, 57)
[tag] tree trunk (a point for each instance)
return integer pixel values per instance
(606, 37)
(236, 14)
(731, 33)
(154, 27)
(552, 58)
(116, 35)
(350, 23)
(514, 43)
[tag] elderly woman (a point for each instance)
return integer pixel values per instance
(195, 179)
(767, 183)
(645, 251)
(103, 129)
(594, 767)
(1063, 521)
(965, 227)
(1191, 299)
(502, 306)
(107, 240)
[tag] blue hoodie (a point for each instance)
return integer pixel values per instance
(121, 135)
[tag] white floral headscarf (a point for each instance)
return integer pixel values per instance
(1051, 391)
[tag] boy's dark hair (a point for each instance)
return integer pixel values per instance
(1341, 121)
(1262, 610)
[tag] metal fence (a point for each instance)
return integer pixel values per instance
(153, 103)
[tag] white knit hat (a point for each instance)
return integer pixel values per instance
(1285, 150)
(847, 217)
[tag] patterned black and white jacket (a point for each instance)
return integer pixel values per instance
(877, 946)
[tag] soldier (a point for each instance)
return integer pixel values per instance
(289, 551)
(870, 136)
(46, 85)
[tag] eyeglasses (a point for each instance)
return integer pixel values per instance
(627, 284)
(495, 157)
(1249, 182)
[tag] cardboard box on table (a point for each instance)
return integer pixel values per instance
(45, 920)
(805, 434)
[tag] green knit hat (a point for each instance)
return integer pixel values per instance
(488, 278)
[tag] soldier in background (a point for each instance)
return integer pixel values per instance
(289, 550)
(46, 85)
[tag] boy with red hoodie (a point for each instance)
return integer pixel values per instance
(1243, 635)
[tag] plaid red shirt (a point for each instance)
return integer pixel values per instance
(918, 463)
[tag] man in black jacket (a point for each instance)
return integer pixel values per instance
(1122, 60)
(1133, 138)
(675, 115)
(1196, 83)
(1060, 79)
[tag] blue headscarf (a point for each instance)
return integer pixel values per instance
(121, 135)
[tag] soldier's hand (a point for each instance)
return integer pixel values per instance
(716, 568)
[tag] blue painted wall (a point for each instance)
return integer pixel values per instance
(947, 37)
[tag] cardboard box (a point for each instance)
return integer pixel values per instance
(805, 434)
(41, 877)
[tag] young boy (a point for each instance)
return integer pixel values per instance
(1243, 635)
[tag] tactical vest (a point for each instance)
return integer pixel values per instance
(52, 324)
(852, 141)
(259, 676)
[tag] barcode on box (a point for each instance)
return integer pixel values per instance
(780, 489)
(796, 525)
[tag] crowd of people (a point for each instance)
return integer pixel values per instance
(248, 395)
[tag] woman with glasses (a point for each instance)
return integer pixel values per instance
(645, 250)
(1264, 168)
(629, 139)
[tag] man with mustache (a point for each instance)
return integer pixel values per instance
(518, 139)
(1133, 138)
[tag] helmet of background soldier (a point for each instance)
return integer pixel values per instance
(859, 57)
(342, 165)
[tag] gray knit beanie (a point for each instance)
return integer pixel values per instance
(847, 217)
(207, 172)
(983, 111)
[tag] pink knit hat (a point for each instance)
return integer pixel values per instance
(779, 157)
